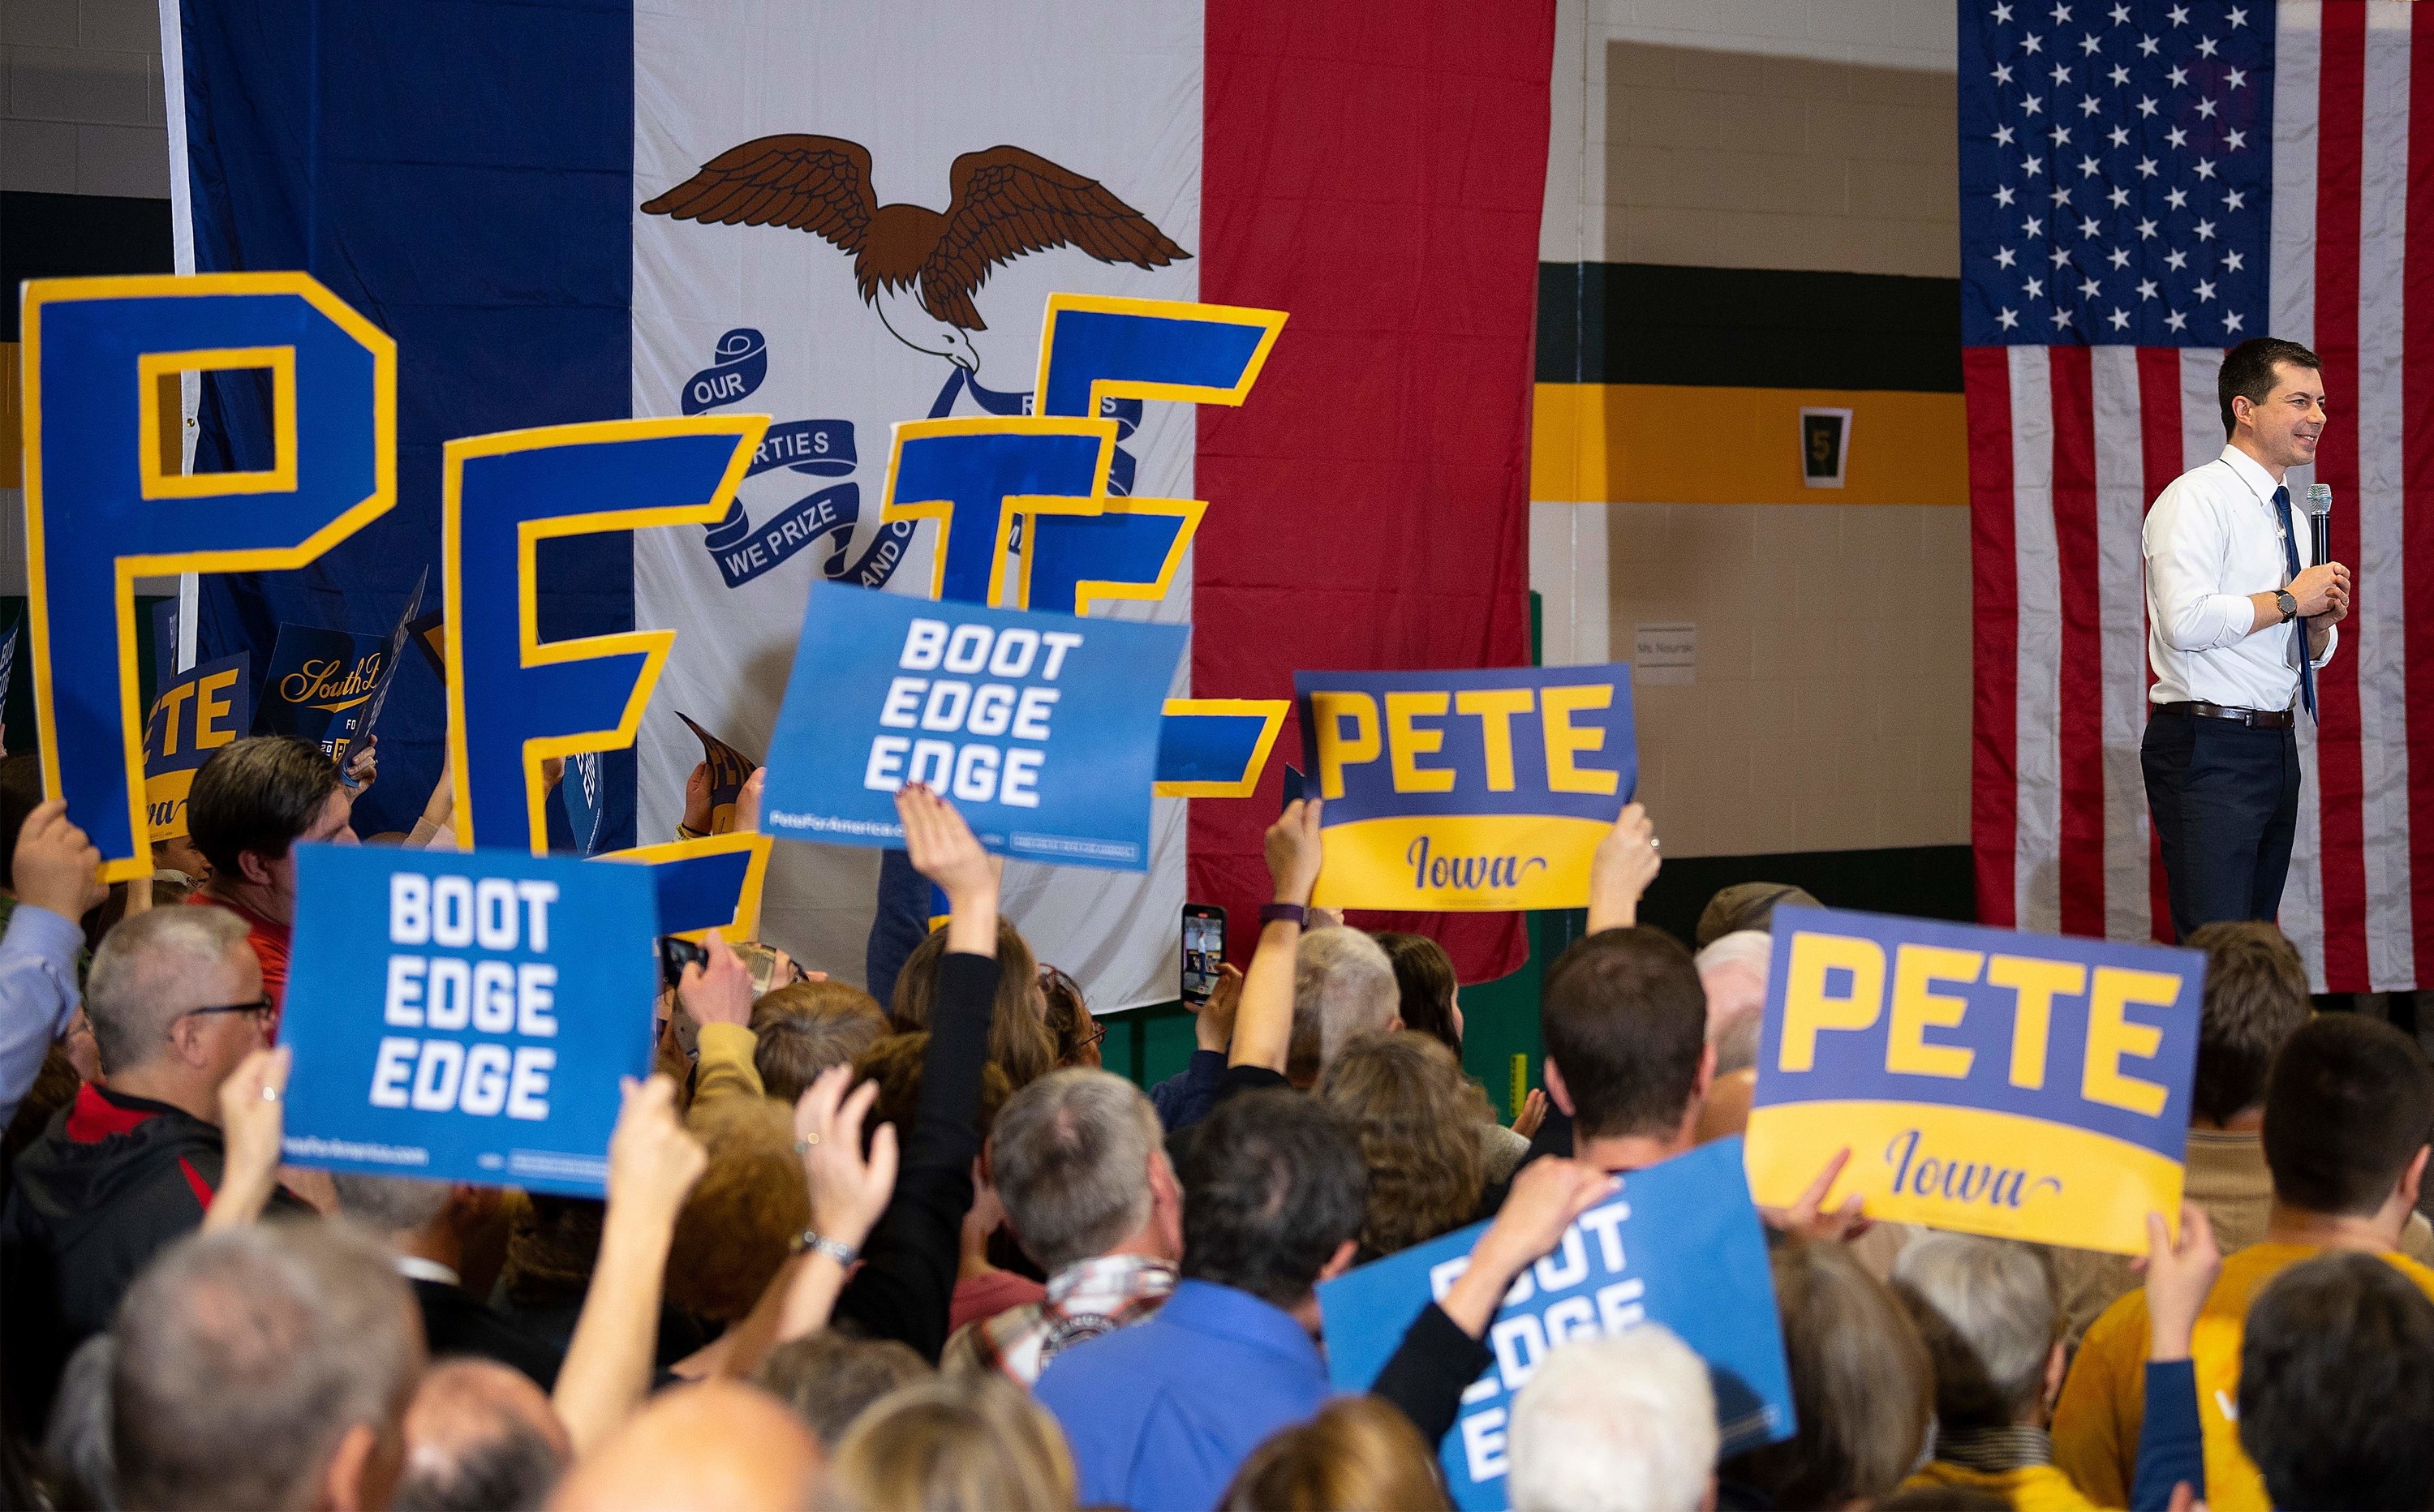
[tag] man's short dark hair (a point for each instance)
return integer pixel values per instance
(2255, 999)
(2248, 373)
(514, 1467)
(830, 1378)
(1625, 1021)
(1273, 1186)
(258, 794)
(2350, 1104)
(2337, 1385)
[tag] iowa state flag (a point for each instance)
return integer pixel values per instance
(845, 215)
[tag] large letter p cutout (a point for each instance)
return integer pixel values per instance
(107, 500)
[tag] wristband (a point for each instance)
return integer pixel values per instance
(1292, 914)
(836, 1249)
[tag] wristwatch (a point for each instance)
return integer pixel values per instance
(811, 1241)
(2289, 605)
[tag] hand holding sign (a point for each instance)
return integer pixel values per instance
(943, 849)
(1621, 867)
(252, 1115)
(55, 866)
(1295, 852)
(2180, 1276)
(1810, 1218)
(1547, 1197)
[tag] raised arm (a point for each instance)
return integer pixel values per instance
(907, 1281)
(1442, 1352)
(719, 997)
(1263, 1023)
(58, 876)
(1625, 863)
(2170, 1439)
(652, 1163)
(252, 1119)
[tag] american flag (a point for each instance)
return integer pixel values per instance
(2141, 186)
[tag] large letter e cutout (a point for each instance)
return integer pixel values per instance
(514, 700)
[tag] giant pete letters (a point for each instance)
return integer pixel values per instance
(1466, 789)
(2025, 1086)
(1042, 727)
(106, 501)
(1679, 1245)
(480, 1035)
(1035, 488)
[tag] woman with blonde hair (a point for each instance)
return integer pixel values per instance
(960, 1443)
(1357, 1455)
(1418, 1119)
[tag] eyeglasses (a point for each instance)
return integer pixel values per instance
(262, 1009)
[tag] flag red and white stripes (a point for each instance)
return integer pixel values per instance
(2070, 444)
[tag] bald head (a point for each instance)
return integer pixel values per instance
(716, 1444)
(478, 1436)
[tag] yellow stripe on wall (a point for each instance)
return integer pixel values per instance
(1666, 444)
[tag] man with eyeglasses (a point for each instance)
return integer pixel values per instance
(176, 999)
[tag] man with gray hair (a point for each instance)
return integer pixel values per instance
(479, 1437)
(1618, 1424)
(175, 1000)
(1079, 1162)
(428, 1226)
(1343, 987)
(1986, 1308)
(264, 1365)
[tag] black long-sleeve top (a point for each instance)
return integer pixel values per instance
(907, 1281)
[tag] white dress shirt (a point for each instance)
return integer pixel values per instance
(2212, 539)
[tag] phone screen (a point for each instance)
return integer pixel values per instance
(1204, 951)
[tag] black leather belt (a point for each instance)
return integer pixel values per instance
(2255, 719)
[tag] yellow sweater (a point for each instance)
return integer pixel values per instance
(2028, 1489)
(2104, 1401)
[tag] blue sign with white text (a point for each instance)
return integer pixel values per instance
(1678, 1245)
(1043, 728)
(465, 1016)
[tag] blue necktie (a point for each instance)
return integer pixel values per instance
(2298, 627)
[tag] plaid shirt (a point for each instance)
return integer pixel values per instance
(1085, 1299)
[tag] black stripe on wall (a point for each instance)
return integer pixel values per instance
(1924, 882)
(1747, 328)
(78, 236)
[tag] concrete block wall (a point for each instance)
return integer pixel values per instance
(81, 111)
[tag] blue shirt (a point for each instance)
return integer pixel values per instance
(1161, 1414)
(38, 996)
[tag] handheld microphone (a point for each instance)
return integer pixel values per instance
(2320, 522)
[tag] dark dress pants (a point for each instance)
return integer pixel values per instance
(2227, 803)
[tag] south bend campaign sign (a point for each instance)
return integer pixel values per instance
(1678, 1245)
(465, 1016)
(1465, 790)
(2025, 1086)
(1043, 728)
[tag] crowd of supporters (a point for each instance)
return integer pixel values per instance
(926, 1256)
